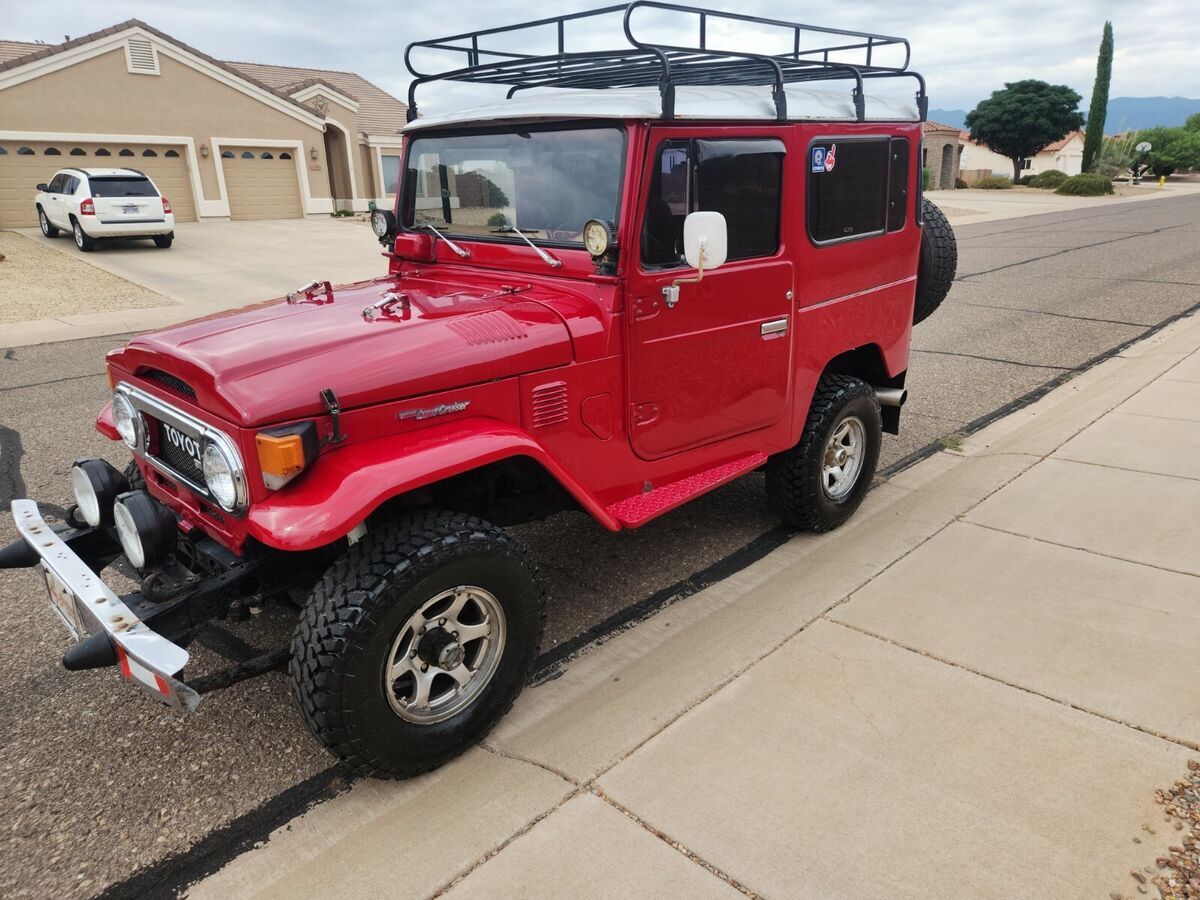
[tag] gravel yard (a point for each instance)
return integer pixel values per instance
(50, 284)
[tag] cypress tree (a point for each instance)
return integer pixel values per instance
(1099, 108)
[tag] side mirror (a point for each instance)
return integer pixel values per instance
(705, 240)
(43, 188)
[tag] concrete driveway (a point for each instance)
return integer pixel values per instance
(231, 263)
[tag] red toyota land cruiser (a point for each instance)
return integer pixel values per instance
(647, 271)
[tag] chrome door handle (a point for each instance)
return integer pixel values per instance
(775, 326)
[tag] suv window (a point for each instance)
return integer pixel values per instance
(55, 186)
(121, 186)
(70, 182)
(847, 188)
(741, 178)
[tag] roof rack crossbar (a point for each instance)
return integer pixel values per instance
(644, 63)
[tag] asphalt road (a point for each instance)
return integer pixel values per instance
(97, 782)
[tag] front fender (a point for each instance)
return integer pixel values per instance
(346, 485)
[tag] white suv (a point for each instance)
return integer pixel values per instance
(104, 203)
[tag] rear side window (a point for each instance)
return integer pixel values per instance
(847, 188)
(739, 178)
(122, 186)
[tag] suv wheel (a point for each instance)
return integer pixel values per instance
(163, 241)
(82, 241)
(47, 229)
(818, 484)
(416, 641)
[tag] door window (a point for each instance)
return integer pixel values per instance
(847, 188)
(55, 186)
(741, 178)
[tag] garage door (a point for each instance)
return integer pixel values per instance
(261, 183)
(23, 164)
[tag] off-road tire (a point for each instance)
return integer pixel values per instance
(82, 241)
(47, 229)
(350, 620)
(163, 241)
(794, 489)
(938, 263)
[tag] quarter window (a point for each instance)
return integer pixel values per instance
(847, 188)
(739, 178)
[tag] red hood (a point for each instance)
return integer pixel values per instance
(268, 363)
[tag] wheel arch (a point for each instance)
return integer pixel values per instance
(349, 485)
(868, 363)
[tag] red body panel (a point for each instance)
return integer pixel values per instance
(591, 376)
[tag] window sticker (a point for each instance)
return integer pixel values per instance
(824, 159)
(831, 158)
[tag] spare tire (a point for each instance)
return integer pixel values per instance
(939, 261)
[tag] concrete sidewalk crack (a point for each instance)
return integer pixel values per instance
(1182, 742)
(1040, 312)
(492, 748)
(675, 845)
(1007, 362)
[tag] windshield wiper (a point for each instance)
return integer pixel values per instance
(546, 257)
(462, 252)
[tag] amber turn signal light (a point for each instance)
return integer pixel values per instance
(284, 452)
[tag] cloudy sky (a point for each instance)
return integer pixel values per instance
(965, 49)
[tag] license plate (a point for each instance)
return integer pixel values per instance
(129, 210)
(63, 600)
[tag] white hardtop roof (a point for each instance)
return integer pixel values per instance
(100, 172)
(736, 102)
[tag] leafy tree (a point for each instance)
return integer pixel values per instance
(1099, 108)
(1193, 122)
(1025, 117)
(1172, 149)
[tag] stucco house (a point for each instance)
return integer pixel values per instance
(222, 139)
(1065, 154)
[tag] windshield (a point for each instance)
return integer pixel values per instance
(546, 183)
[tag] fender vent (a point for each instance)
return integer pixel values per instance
(488, 328)
(549, 404)
(170, 382)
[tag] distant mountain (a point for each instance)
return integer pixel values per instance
(1124, 113)
(953, 117)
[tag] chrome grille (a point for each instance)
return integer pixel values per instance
(175, 457)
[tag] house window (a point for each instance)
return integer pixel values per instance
(125, 151)
(740, 178)
(226, 154)
(266, 155)
(149, 152)
(3, 152)
(78, 151)
(171, 154)
(847, 188)
(391, 173)
(24, 151)
(285, 156)
(246, 154)
(102, 152)
(52, 151)
(1026, 163)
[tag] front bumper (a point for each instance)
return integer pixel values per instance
(88, 607)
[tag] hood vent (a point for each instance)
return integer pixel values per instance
(549, 404)
(170, 382)
(488, 328)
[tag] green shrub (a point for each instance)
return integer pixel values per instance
(993, 183)
(1051, 178)
(497, 220)
(343, 214)
(1024, 180)
(1086, 185)
(959, 184)
(925, 179)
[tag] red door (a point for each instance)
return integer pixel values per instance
(718, 363)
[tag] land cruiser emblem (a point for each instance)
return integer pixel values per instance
(442, 409)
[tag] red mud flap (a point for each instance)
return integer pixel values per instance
(87, 606)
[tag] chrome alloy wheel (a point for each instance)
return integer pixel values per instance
(445, 655)
(843, 458)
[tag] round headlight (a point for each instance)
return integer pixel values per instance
(96, 485)
(596, 237)
(127, 420)
(223, 476)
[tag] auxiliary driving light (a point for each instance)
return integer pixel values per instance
(146, 529)
(96, 485)
(597, 237)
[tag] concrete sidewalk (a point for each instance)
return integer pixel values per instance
(975, 688)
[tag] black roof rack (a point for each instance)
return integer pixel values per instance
(814, 54)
